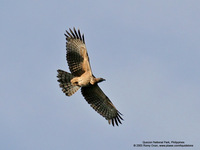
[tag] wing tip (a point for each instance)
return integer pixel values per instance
(74, 34)
(116, 120)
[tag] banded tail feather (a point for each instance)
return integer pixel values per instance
(64, 78)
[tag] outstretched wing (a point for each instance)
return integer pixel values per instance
(77, 57)
(101, 103)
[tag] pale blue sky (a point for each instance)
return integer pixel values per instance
(148, 52)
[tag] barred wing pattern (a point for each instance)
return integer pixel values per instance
(101, 103)
(76, 52)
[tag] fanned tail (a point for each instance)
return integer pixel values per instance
(64, 78)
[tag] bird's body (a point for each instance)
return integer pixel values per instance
(83, 80)
(81, 76)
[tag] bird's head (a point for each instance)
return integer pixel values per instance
(100, 80)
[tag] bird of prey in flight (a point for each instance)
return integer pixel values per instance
(81, 76)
